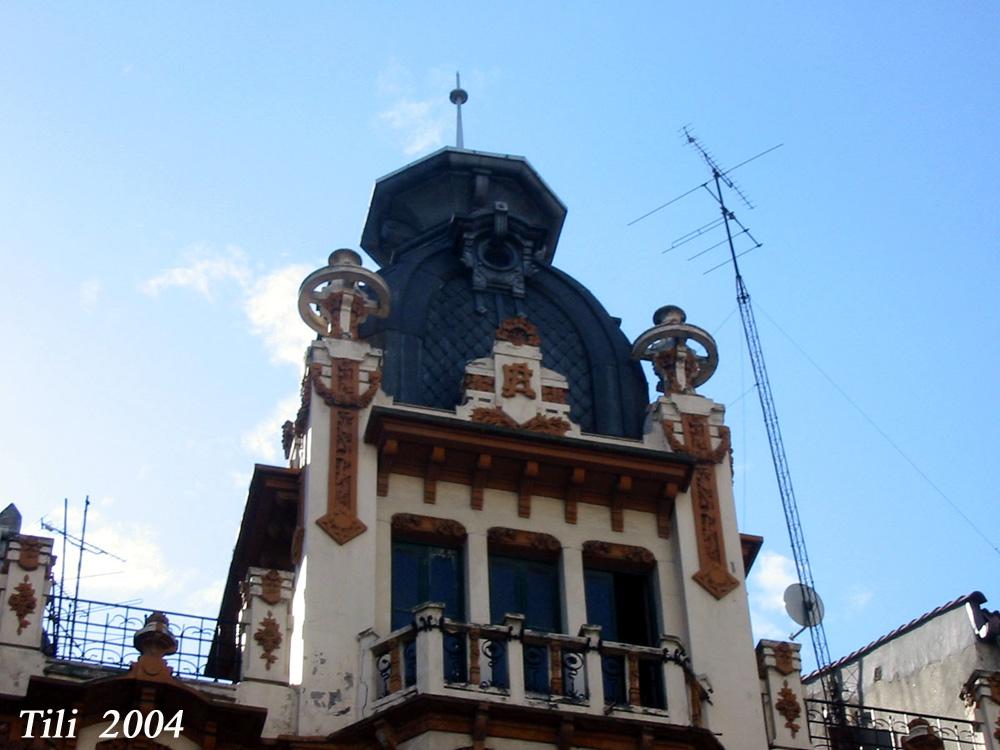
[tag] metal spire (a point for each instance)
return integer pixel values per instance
(458, 96)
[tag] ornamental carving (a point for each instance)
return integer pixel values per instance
(517, 380)
(428, 525)
(666, 367)
(553, 395)
(531, 540)
(495, 416)
(788, 706)
(713, 574)
(341, 520)
(476, 382)
(518, 331)
(270, 587)
(31, 551)
(994, 682)
(546, 425)
(784, 658)
(268, 637)
(622, 553)
(22, 603)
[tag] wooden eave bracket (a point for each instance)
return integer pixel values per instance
(431, 474)
(574, 470)
(478, 480)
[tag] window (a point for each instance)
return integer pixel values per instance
(528, 587)
(619, 590)
(426, 573)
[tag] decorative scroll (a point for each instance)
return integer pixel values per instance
(524, 540)
(268, 637)
(547, 425)
(518, 331)
(341, 520)
(619, 553)
(713, 574)
(517, 380)
(788, 706)
(22, 603)
(270, 587)
(784, 660)
(428, 526)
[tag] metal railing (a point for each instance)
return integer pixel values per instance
(101, 633)
(873, 728)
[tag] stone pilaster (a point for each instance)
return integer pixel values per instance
(24, 591)
(982, 694)
(780, 670)
(267, 618)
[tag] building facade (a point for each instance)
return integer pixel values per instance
(486, 535)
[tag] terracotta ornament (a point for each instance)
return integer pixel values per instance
(788, 706)
(268, 637)
(22, 603)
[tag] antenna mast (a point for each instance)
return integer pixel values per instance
(817, 633)
(458, 97)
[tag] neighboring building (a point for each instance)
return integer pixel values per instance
(486, 537)
(943, 667)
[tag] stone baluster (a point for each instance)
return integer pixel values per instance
(428, 619)
(595, 675)
(515, 656)
(675, 680)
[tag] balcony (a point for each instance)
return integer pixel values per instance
(100, 634)
(871, 728)
(511, 664)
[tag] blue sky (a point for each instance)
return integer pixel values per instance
(171, 171)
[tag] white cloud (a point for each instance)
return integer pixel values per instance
(272, 309)
(420, 124)
(263, 442)
(859, 597)
(771, 575)
(90, 291)
(203, 270)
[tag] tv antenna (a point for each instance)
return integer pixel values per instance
(802, 598)
(82, 545)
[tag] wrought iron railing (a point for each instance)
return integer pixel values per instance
(872, 728)
(101, 633)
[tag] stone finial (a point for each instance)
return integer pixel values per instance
(336, 299)
(680, 367)
(153, 641)
(154, 638)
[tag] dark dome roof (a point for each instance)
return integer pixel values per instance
(472, 256)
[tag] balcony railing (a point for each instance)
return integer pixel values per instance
(101, 633)
(872, 728)
(508, 663)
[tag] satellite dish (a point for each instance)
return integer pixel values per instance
(803, 605)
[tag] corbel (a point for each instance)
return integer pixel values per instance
(524, 490)
(622, 488)
(431, 474)
(576, 480)
(385, 735)
(564, 740)
(386, 458)
(208, 737)
(665, 509)
(479, 473)
(480, 725)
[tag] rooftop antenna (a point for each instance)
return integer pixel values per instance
(458, 96)
(82, 545)
(804, 605)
